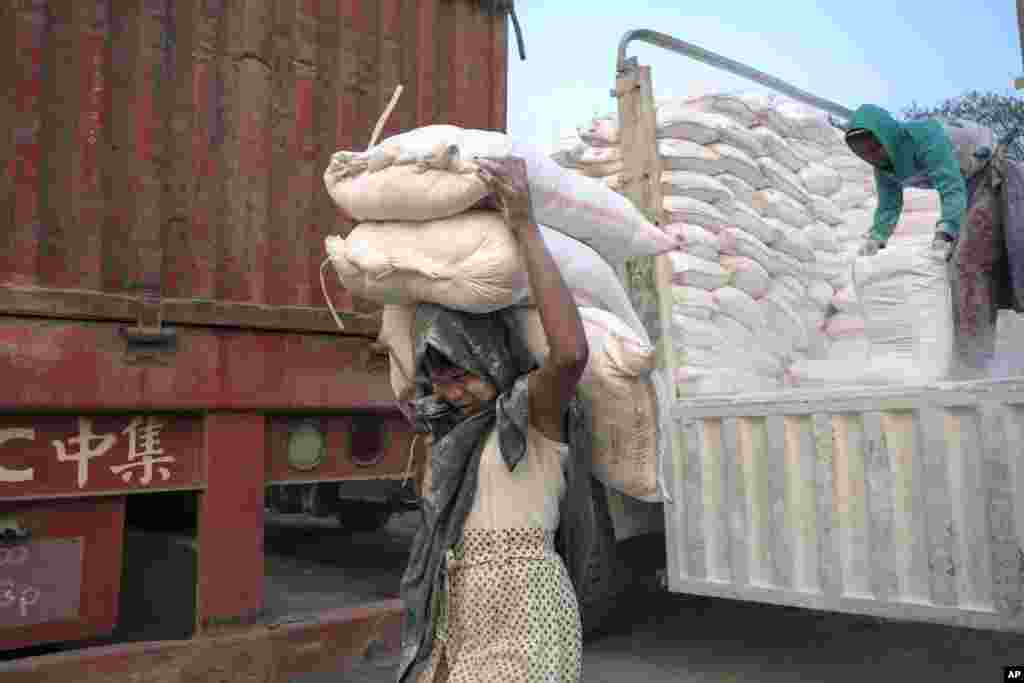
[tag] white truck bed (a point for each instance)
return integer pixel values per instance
(903, 503)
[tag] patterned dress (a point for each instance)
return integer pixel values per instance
(508, 611)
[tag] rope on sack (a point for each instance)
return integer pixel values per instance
(373, 140)
(386, 115)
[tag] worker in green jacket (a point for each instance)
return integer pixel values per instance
(925, 154)
(967, 167)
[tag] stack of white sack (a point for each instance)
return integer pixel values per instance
(846, 328)
(757, 192)
(902, 304)
(423, 236)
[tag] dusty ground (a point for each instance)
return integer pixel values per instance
(658, 637)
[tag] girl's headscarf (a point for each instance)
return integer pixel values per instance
(490, 347)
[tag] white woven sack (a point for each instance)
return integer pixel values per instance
(688, 210)
(408, 188)
(781, 206)
(693, 302)
(821, 180)
(695, 186)
(784, 180)
(469, 262)
(694, 240)
(777, 148)
(821, 237)
(618, 385)
(792, 241)
(692, 271)
(746, 274)
(826, 211)
(740, 306)
(742, 190)
(602, 131)
(740, 164)
(748, 219)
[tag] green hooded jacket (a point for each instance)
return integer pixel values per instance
(916, 148)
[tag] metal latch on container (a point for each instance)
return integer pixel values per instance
(12, 532)
(149, 335)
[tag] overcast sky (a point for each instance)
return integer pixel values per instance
(878, 51)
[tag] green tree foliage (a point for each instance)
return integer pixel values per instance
(1001, 113)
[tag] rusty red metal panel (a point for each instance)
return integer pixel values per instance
(63, 582)
(389, 61)
(184, 259)
(332, 641)
(84, 367)
(426, 54)
(142, 132)
(499, 73)
(385, 454)
(231, 519)
(32, 33)
(47, 455)
(244, 232)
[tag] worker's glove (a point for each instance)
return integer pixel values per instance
(942, 248)
(870, 247)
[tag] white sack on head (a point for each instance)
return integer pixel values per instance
(468, 262)
(618, 384)
(430, 173)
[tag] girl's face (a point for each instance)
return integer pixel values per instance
(464, 390)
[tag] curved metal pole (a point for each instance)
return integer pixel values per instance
(701, 55)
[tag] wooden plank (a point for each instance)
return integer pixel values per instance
(328, 641)
(230, 527)
(909, 534)
(715, 502)
(801, 502)
(752, 447)
(99, 306)
(965, 449)
(854, 537)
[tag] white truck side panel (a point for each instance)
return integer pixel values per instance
(900, 503)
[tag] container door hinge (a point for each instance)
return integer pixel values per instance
(148, 335)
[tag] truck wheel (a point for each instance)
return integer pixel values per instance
(362, 516)
(598, 598)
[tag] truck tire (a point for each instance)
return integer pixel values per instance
(362, 516)
(598, 598)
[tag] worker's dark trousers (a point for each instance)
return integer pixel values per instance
(977, 269)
